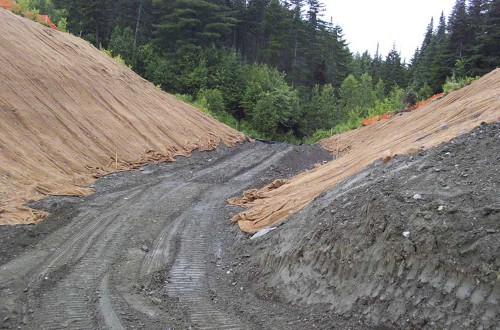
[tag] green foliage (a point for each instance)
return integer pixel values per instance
(319, 135)
(62, 24)
(395, 98)
(213, 99)
(349, 93)
(410, 98)
(246, 62)
(46, 7)
(117, 58)
(260, 81)
(204, 106)
(393, 102)
(321, 111)
(187, 23)
(276, 112)
(353, 122)
(425, 92)
(453, 84)
(155, 68)
(122, 44)
(228, 74)
(366, 94)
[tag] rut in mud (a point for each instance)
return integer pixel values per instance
(137, 252)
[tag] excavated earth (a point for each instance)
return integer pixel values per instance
(410, 244)
(413, 243)
(141, 251)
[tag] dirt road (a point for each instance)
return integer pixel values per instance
(137, 252)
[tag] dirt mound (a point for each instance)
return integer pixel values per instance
(438, 122)
(414, 243)
(69, 114)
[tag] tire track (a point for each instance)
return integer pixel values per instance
(157, 225)
(77, 287)
(394, 285)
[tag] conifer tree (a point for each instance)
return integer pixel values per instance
(459, 31)
(277, 25)
(439, 68)
(490, 37)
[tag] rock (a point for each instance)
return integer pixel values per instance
(417, 196)
(145, 248)
(262, 232)
(406, 234)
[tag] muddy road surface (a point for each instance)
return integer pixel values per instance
(139, 252)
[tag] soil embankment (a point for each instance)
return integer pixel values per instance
(439, 122)
(413, 244)
(69, 113)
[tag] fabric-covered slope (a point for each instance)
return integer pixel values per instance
(438, 122)
(69, 113)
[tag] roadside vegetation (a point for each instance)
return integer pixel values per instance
(278, 69)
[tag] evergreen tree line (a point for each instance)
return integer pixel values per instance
(276, 68)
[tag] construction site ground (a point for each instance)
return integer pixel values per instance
(413, 243)
(147, 250)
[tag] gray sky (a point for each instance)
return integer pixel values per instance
(403, 22)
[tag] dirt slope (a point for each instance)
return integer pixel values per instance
(69, 113)
(411, 244)
(438, 122)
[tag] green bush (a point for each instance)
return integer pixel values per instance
(213, 99)
(319, 135)
(453, 84)
(202, 104)
(117, 58)
(62, 25)
(425, 92)
(410, 98)
(184, 98)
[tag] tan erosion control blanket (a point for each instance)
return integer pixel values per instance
(69, 113)
(438, 122)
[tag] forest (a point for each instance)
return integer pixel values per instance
(279, 69)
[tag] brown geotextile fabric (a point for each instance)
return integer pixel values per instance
(438, 122)
(69, 114)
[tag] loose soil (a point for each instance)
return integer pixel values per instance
(140, 251)
(413, 244)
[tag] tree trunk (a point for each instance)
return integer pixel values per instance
(137, 26)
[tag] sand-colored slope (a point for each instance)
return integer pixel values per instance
(67, 111)
(424, 128)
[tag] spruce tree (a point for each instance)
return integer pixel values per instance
(277, 26)
(439, 68)
(193, 24)
(490, 37)
(476, 17)
(459, 32)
